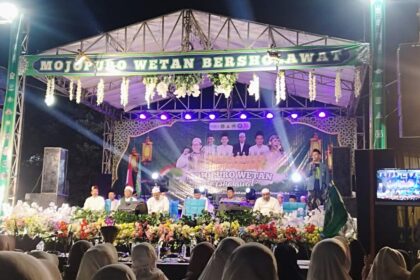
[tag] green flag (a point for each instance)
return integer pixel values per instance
(335, 213)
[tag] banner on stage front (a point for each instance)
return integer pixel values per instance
(128, 64)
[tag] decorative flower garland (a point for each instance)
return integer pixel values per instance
(78, 91)
(49, 94)
(187, 85)
(223, 83)
(254, 87)
(280, 87)
(125, 85)
(357, 82)
(71, 89)
(338, 85)
(100, 92)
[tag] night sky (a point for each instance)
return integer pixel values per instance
(57, 22)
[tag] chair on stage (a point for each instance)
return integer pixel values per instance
(194, 207)
(289, 207)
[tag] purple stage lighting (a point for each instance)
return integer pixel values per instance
(243, 116)
(142, 116)
(269, 115)
(187, 116)
(294, 116)
(163, 117)
(212, 116)
(322, 114)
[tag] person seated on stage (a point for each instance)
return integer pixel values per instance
(95, 202)
(280, 200)
(111, 204)
(259, 148)
(292, 198)
(230, 196)
(266, 204)
(157, 203)
(128, 197)
(208, 206)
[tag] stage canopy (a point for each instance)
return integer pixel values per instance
(190, 31)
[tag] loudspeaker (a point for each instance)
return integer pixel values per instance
(367, 163)
(341, 172)
(408, 89)
(54, 171)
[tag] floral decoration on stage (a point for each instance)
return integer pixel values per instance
(66, 222)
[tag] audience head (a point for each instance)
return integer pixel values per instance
(144, 261)
(251, 261)
(388, 264)
(116, 271)
(200, 255)
(357, 253)
(197, 193)
(18, 265)
(415, 273)
(216, 264)
(75, 257)
(50, 261)
(96, 258)
(329, 261)
(286, 258)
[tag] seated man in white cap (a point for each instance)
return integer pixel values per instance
(128, 198)
(95, 202)
(157, 203)
(266, 204)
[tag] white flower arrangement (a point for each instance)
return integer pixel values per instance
(254, 87)
(125, 85)
(338, 85)
(100, 92)
(71, 89)
(223, 83)
(357, 82)
(78, 91)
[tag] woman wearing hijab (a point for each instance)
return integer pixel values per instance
(75, 257)
(415, 273)
(216, 264)
(357, 253)
(116, 271)
(144, 263)
(330, 260)
(200, 256)
(50, 262)
(17, 265)
(388, 264)
(249, 262)
(287, 267)
(96, 258)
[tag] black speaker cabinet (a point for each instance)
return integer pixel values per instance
(409, 89)
(341, 173)
(373, 223)
(54, 171)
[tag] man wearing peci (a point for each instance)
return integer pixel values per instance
(241, 148)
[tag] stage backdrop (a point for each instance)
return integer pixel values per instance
(184, 153)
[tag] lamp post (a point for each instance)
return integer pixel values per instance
(9, 14)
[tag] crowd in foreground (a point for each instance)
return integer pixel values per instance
(331, 259)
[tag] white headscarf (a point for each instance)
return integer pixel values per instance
(388, 264)
(249, 262)
(95, 258)
(216, 264)
(330, 260)
(50, 262)
(115, 271)
(144, 263)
